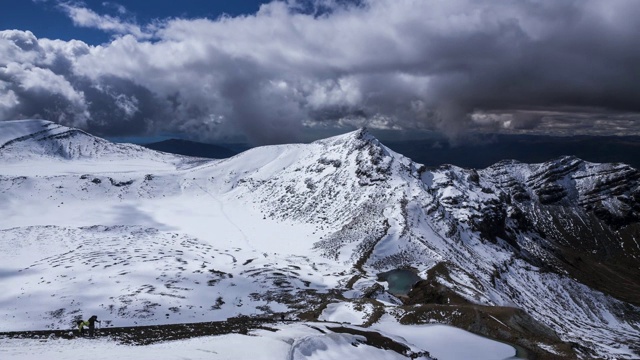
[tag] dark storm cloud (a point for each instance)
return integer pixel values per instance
(34, 81)
(412, 64)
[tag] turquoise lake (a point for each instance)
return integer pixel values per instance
(400, 280)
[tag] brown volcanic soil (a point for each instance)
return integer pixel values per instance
(599, 256)
(145, 335)
(428, 301)
(509, 325)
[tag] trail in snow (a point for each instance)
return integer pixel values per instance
(245, 238)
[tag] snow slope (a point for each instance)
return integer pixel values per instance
(38, 147)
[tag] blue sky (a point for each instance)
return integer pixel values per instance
(46, 19)
(281, 71)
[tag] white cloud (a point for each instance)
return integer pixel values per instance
(128, 104)
(8, 98)
(85, 17)
(18, 46)
(118, 7)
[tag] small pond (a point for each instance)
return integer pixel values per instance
(400, 280)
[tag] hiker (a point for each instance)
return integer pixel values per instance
(81, 324)
(92, 324)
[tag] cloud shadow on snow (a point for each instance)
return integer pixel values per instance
(130, 215)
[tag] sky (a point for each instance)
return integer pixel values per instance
(276, 72)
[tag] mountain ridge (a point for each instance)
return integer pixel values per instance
(40, 138)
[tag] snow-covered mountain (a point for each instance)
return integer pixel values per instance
(29, 139)
(542, 255)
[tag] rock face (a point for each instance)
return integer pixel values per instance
(583, 217)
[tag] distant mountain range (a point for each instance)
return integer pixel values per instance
(489, 149)
(478, 154)
(197, 149)
(543, 255)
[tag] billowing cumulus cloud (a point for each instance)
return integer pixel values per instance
(452, 66)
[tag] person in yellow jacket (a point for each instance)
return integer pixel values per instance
(81, 324)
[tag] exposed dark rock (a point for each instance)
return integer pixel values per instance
(120, 183)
